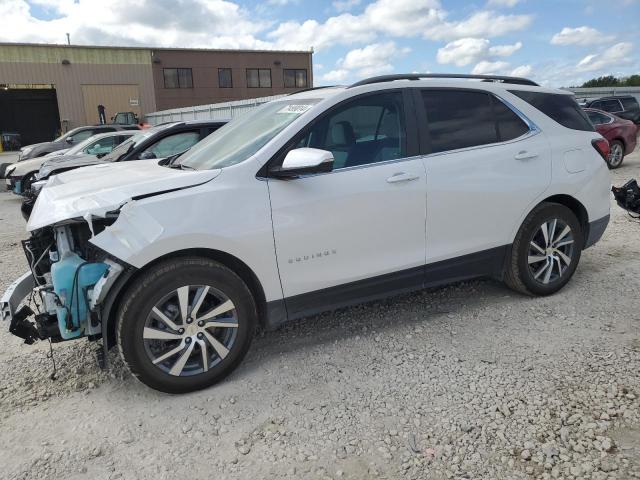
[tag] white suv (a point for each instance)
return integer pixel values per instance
(314, 201)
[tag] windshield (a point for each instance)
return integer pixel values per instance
(77, 148)
(130, 143)
(243, 137)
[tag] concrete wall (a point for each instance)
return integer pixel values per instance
(42, 64)
(205, 64)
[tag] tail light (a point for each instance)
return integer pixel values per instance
(602, 147)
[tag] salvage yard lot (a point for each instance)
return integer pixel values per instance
(470, 381)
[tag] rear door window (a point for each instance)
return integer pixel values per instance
(559, 107)
(510, 125)
(459, 119)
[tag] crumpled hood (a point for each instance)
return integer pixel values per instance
(53, 164)
(26, 166)
(103, 188)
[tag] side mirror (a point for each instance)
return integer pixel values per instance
(304, 161)
(100, 155)
(69, 139)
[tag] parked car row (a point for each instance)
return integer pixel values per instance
(317, 200)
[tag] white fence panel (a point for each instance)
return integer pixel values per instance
(214, 111)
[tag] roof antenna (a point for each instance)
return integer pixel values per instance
(68, 39)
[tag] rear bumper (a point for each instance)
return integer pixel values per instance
(596, 230)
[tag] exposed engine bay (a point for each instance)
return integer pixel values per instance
(69, 277)
(628, 196)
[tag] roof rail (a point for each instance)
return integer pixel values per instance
(418, 76)
(312, 88)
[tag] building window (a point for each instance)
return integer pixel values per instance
(177, 78)
(295, 78)
(259, 77)
(224, 78)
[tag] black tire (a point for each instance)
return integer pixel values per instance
(158, 283)
(614, 160)
(520, 275)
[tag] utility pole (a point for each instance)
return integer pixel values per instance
(68, 39)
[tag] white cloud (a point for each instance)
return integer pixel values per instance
(505, 50)
(484, 68)
(580, 36)
(373, 59)
(400, 18)
(614, 56)
(471, 50)
(345, 5)
(463, 51)
(155, 23)
(503, 3)
(335, 76)
(486, 24)
(522, 71)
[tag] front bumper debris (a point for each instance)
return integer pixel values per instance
(14, 295)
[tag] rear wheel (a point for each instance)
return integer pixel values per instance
(185, 325)
(546, 251)
(616, 154)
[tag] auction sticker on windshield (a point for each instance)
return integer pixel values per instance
(295, 109)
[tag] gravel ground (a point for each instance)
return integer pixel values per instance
(470, 381)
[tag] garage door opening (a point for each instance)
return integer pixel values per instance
(31, 112)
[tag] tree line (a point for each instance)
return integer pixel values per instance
(611, 81)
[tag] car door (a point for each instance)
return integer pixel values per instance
(356, 232)
(485, 166)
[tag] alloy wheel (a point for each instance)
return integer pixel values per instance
(550, 251)
(190, 330)
(616, 155)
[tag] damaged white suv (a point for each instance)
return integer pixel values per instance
(314, 201)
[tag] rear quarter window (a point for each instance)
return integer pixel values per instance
(561, 108)
(630, 103)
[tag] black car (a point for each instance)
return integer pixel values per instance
(624, 106)
(69, 139)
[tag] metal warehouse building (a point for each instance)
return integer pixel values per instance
(46, 89)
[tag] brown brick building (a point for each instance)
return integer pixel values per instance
(184, 78)
(45, 89)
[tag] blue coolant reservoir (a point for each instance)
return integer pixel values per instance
(63, 273)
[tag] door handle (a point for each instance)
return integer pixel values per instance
(524, 155)
(402, 177)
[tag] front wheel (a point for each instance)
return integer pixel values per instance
(185, 324)
(546, 251)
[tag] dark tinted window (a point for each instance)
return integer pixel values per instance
(598, 118)
(561, 108)
(629, 103)
(610, 106)
(259, 77)
(459, 119)
(295, 78)
(367, 130)
(510, 125)
(224, 78)
(177, 78)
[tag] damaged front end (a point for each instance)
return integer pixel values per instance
(60, 298)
